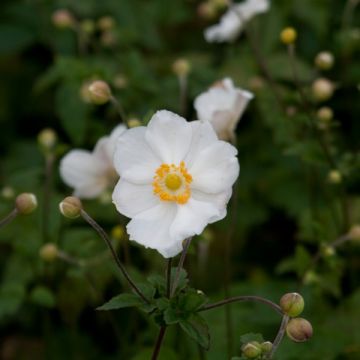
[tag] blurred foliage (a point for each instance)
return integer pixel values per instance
(287, 210)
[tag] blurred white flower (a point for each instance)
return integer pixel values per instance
(90, 173)
(176, 177)
(223, 105)
(233, 21)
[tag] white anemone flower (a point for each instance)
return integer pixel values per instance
(233, 21)
(176, 177)
(91, 173)
(223, 105)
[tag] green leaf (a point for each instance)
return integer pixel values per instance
(43, 296)
(122, 301)
(197, 329)
(246, 338)
(192, 300)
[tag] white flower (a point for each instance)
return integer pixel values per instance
(176, 177)
(223, 105)
(90, 173)
(233, 21)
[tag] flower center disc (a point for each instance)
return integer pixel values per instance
(172, 183)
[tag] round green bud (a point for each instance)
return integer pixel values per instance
(266, 347)
(181, 67)
(288, 36)
(325, 114)
(324, 60)
(26, 203)
(117, 232)
(47, 138)
(322, 89)
(292, 304)
(99, 92)
(311, 277)
(88, 26)
(134, 122)
(251, 350)
(49, 252)
(71, 207)
(327, 250)
(299, 330)
(334, 177)
(7, 192)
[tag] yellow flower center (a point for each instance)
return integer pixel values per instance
(172, 183)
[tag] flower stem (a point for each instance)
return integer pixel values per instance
(279, 335)
(8, 218)
(183, 83)
(105, 237)
(158, 343)
(49, 162)
(168, 277)
(120, 110)
(254, 298)
(186, 245)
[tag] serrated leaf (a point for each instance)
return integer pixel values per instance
(197, 329)
(122, 301)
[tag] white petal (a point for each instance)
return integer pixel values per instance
(203, 135)
(134, 160)
(112, 140)
(192, 217)
(219, 201)
(81, 171)
(215, 168)
(151, 228)
(131, 199)
(169, 135)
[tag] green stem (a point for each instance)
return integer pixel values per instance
(158, 343)
(9, 218)
(168, 277)
(105, 237)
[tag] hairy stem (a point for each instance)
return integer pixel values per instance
(254, 298)
(105, 237)
(158, 343)
(9, 218)
(119, 108)
(168, 277)
(279, 335)
(186, 245)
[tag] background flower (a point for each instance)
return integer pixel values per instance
(223, 105)
(233, 21)
(176, 177)
(90, 173)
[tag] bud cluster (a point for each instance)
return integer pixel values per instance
(254, 349)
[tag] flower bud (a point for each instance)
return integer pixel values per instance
(256, 83)
(327, 250)
(322, 89)
(106, 23)
(120, 81)
(7, 192)
(266, 347)
(354, 233)
(88, 26)
(117, 232)
(49, 252)
(26, 203)
(108, 38)
(71, 207)
(251, 350)
(47, 138)
(324, 60)
(207, 10)
(325, 114)
(181, 67)
(288, 36)
(299, 330)
(134, 122)
(99, 92)
(219, 4)
(292, 304)
(334, 177)
(311, 277)
(63, 19)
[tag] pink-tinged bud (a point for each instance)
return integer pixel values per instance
(26, 203)
(63, 19)
(106, 23)
(292, 304)
(207, 10)
(251, 350)
(324, 60)
(354, 233)
(120, 81)
(322, 89)
(49, 252)
(99, 92)
(71, 207)
(299, 330)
